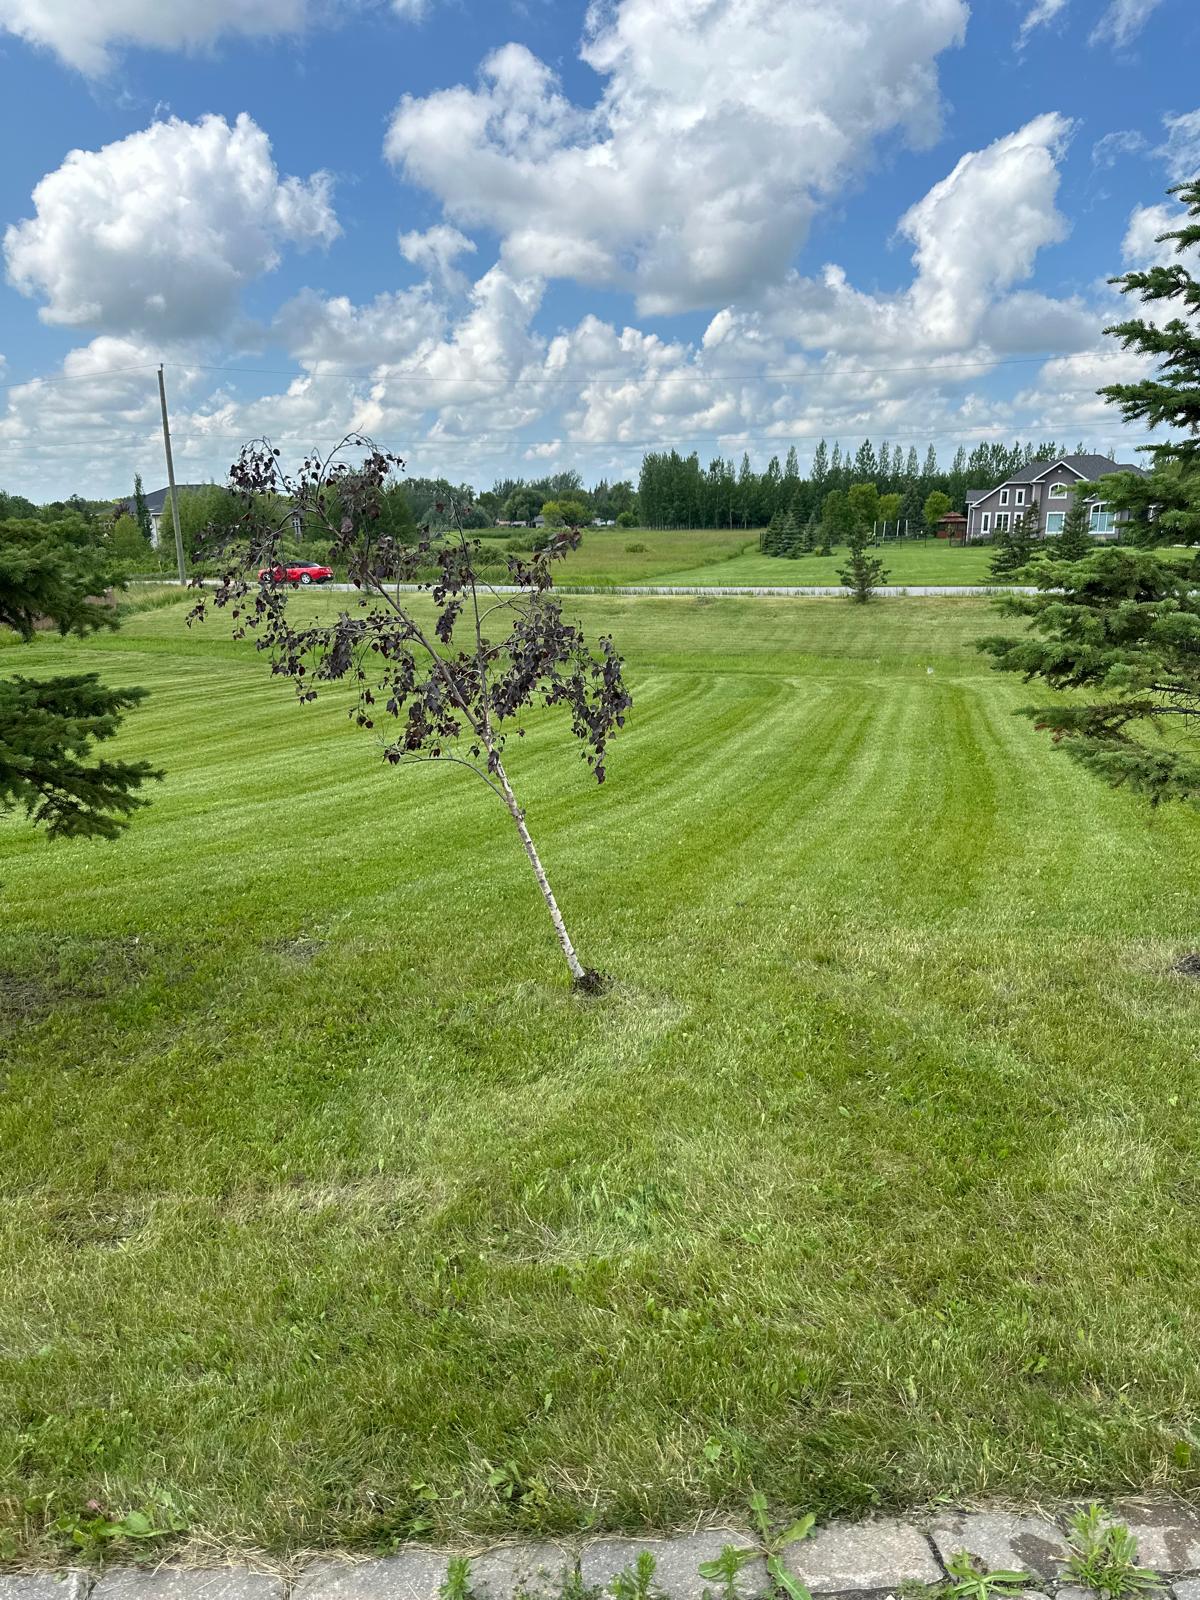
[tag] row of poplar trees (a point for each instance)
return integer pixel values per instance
(675, 491)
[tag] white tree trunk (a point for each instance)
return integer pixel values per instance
(539, 872)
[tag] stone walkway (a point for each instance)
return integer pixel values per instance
(854, 1560)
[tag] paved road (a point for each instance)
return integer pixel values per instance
(732, 589)
(714, 590)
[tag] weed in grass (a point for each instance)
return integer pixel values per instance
(1104, 1558)
(93, 1535)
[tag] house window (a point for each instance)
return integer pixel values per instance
(1102, 519)
(1004, 497)
(1020, 497)
(1002, 522)
(986, 525)
(1054, 521)
(1057, 491)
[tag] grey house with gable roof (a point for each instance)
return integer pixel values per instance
(1046, 484)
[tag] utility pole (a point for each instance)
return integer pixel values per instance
(162, 396)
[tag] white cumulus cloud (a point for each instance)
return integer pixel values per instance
(157, 233)
(85, 33)
(975, 237)
(722, 125)
(88, 34)
(436, 250)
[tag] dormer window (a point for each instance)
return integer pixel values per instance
(1004, 497)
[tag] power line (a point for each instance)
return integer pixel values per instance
(80, 377)
(736, 439)
(766, 374)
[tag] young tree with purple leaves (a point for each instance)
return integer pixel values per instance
(456, 680)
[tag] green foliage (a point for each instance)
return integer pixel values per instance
(94, 1534)
(626, 519)
(206, 514)
(458, 1580)
(862, 573)
(522, 505)
(126, 544)
(567, 513)
(935, 508)
(1124, 626)
(1075, 541)
(141, 512)
(1171, 398)
(863, 499)
(837, 520)
(889, 507)
(49, 725)
(971, 1579)
(1164, 506)
(770, 540)
(637, 1582)
(726, 1570)
(1104, 1558)
(1012, 550)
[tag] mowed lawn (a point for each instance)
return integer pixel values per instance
(916, 561)
(620, 556)
(726, 558)
(330, 1212)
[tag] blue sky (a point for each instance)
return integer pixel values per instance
(511, 236)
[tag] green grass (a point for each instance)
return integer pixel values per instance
(908, 562)
(604, 557)
(330, 1212)
(732, 558)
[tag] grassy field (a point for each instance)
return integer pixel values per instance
(907, 562)
(605, 556)
(732, 558)
(331, 1214)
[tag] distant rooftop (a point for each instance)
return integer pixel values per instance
(156, 501)
(1088, 467)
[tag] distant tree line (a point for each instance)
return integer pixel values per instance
(675, 491)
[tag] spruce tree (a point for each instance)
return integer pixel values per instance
(1123, 626)
(1012, 551)
(1164, 505)
(48, 726)
(862, 573)
(811, 537)
(1075, 540)
(1120, 629)
(819, 470)
(1032, 522)
(769, 540)
(792, 538)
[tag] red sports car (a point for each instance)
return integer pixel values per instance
(295, 572)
